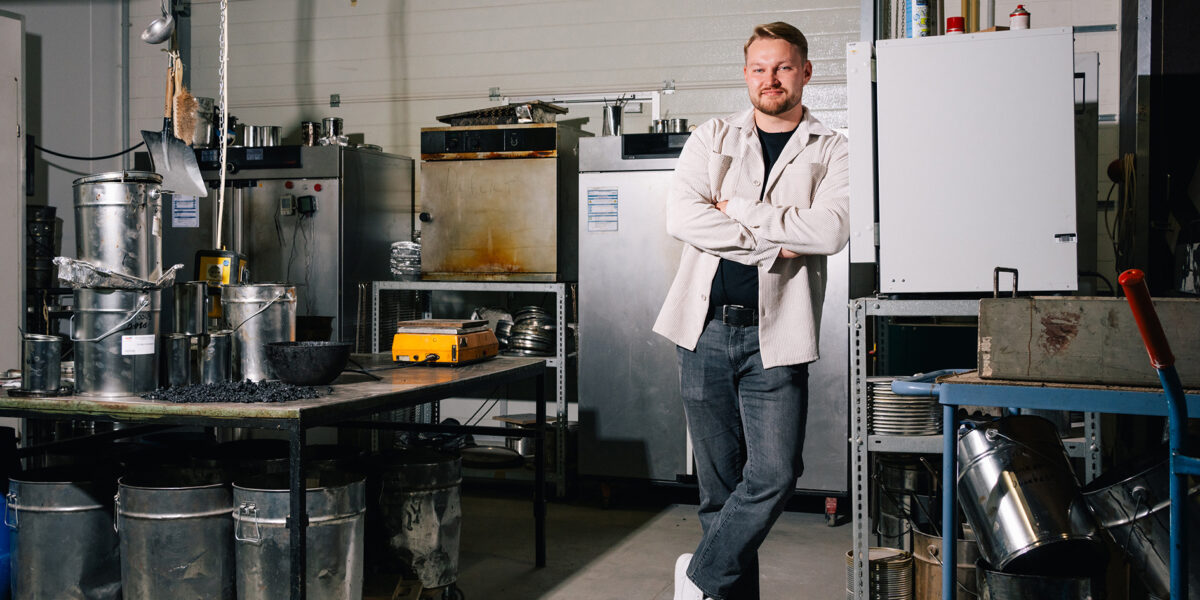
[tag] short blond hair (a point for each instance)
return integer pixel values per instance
(778, 31)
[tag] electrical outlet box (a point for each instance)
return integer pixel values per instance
(306, 205)
(287, 205)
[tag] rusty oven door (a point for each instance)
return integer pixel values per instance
(490, 220)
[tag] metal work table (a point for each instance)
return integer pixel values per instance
(969, 389)
(353, 396)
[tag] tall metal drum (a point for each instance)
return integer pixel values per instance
(176, 534)
(118, 222)
(63, 543)
(116, 341)
(420, 514)
(336, 503)
(258, 313)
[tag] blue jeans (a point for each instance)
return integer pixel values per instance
(747, 427)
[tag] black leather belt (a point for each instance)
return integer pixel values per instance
(734, 315)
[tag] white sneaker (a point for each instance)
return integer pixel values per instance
(684, 588)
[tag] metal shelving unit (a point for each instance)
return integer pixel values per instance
(1124, 400)
(862, 444)
(558, 362)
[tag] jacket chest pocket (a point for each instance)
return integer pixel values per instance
(723, 175)
(797, 184)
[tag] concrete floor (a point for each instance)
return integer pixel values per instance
(628, 553)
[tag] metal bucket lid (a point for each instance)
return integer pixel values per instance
(121, 177)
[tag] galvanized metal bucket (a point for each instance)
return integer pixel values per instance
(336, 505)
(997, 585)
(904, 496)
(63, 543)
(41, 367)
(1019, 494)
(118, 222)
(927, 566)
(116, 341)
(176, 536)
(1135, 511)
(420, 515)
(258, 313)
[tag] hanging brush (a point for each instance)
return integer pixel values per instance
(184, 107)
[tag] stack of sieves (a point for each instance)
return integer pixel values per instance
(890, 574)
(532, 332)
(889, 413)
(406, 261)
(503, 332)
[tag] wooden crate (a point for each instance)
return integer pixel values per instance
(1082, 340)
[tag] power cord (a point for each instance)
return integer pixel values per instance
(73, 157)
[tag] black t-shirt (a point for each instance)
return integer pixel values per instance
(734, 282)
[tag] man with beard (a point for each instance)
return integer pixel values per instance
(760, 198)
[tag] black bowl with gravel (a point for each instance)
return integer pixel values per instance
(308, 363)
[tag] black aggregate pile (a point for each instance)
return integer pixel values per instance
(238, 391)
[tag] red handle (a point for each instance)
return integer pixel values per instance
(1134, 282)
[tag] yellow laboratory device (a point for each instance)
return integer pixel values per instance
(444, 341)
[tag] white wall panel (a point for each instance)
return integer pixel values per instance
(397, 65)
(73, 94)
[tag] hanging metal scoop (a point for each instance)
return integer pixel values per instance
(159, 29)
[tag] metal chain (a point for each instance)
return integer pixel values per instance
(222, 72)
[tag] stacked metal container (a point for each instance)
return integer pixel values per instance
(195, 354)
(118, 227)
(40, 235)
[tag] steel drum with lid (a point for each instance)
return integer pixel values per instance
(118, 222)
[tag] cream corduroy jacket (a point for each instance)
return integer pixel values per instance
(805, 209)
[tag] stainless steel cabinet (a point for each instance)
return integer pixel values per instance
(630, 414)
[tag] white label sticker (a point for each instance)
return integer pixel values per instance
(133, 345)
(185, 211)
(602, 209)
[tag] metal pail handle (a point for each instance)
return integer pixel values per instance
(277, 298)
(136, 311)
(9, 501)
(247, 509)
